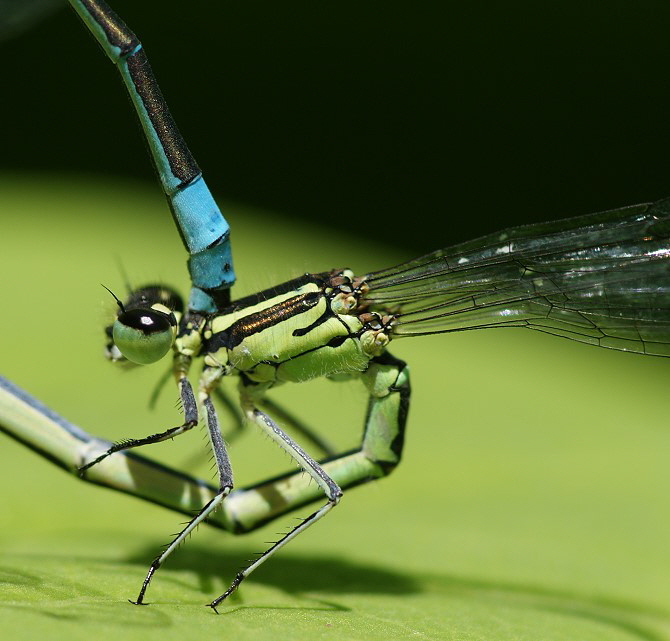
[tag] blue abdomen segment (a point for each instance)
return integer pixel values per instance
(202, 227)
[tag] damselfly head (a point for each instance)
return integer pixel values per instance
(146, 325)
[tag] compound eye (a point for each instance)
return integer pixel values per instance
(144, 335)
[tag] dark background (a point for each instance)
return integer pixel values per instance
(418, 123)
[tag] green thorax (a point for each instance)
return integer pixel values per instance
(305, 328)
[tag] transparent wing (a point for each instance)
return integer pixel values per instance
(602, 279)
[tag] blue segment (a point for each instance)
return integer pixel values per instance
(212, 267)
(199, 218)
(201, 302)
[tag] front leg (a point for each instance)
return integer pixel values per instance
(181, 366)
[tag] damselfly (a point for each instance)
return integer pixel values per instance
(600, 279)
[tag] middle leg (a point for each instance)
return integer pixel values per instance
(250, 393)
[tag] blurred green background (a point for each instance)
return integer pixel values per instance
(532, 501)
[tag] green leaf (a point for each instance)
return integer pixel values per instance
(531, 503)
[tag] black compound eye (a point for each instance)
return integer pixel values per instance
(144, 335)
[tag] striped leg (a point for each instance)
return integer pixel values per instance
(387, 380)
(190, 408)
(300, 428)
(285, 417)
